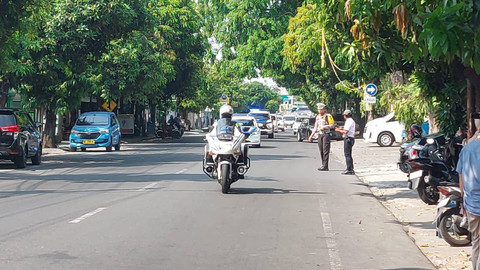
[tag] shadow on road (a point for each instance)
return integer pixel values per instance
(243, 191)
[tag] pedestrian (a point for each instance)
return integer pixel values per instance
(469, 177)
(348, 132)
(323, 125)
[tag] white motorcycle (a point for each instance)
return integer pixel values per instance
(226, 155)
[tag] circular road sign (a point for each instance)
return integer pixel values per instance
(371, 89)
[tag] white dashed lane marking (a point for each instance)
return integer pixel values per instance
(182, 171)
(152, 185)
(87, 215)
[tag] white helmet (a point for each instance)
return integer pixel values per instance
(226, 111)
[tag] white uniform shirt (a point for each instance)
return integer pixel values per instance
(350, 127)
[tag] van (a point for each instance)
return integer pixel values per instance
(95, 129)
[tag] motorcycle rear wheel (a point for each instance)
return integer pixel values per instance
(447, 232)
(225, 181)
(425, 193)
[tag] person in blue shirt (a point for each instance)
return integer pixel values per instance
(468, 168)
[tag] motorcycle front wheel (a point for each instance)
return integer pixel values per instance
(448, 233)
(429, 195)
(225, 174)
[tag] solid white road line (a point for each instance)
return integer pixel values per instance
(152, 185)
(87, 215)
(333, 254)
(182, 171)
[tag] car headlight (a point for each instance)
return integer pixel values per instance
(104, 131)
(74, 131)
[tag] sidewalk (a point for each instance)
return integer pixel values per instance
(376, 166)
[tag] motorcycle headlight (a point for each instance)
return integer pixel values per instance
(104, 131)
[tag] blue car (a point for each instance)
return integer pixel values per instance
(95, 129)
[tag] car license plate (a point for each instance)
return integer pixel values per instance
(88, 142)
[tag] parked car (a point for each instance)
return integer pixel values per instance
(248, 124)
(96, 129)
(19, 138)
(289, 120)
(306, 128)
(264, 122)
(384, 131)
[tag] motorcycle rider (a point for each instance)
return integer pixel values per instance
(224, 127)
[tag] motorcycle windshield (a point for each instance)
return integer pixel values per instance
(225, 129)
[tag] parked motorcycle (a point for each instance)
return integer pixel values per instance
(226, 155)
(173, 131)
(428, 168)
(451, 224)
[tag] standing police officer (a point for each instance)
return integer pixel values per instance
(348, 132)
(323, 125)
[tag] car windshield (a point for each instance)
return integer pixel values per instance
(7, 120)
(289, 118)
(299, 119)
(244, 122)
(92, 120)
(260, 115)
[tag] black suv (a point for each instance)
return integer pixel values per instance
(19, 138)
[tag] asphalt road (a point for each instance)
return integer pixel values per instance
(150, 206)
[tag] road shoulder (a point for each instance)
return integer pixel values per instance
(376, 166)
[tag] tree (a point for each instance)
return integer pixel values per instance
(256, 94)
(61, 60)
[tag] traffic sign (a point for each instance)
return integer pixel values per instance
(371, 89)
(109, 106)
(224, 98)
(371, 100)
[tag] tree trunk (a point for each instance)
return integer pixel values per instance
(49, 132)
(3, 94)
(432, 123)
(153, 109)
(473, 97)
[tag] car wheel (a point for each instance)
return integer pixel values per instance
(299, 137)
(21, 159)
(37, 159)
(109, 148)
(83, 149)
(385, 139)
(73, 149)
(270, 136)
(117, 147)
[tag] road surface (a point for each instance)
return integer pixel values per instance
(150, 206)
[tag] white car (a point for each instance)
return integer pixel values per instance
(279, 123)
(384, 131)
(304, 112)
(296, 124)
(289, 120)
(264, 122)
(248, 124)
